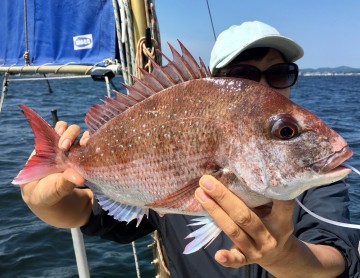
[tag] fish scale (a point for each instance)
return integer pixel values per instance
(148, 150)
(169, 132)
(174, 168)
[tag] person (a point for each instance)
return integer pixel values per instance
(279, 239)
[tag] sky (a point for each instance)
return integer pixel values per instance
(328, 30)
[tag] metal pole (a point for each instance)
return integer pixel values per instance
(80, 253)
(107, 82)
(4, 89)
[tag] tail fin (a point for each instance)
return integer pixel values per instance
(48, 157)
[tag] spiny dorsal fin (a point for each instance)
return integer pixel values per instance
(182, 68)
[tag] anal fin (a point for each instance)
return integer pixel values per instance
(119, 211)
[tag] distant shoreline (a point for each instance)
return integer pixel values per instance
(329, 73)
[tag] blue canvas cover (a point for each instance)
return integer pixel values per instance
(59, 32)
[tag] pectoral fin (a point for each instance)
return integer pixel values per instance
(204, 236)
(184, 197)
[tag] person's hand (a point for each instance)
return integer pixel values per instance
(261, 238)
(50, 192)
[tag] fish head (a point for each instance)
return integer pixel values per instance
(283, 149)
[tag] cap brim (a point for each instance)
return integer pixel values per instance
(290, 49)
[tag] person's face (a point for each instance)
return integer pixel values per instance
(272, 57)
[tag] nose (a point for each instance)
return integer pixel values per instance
(285, 92)
(263, 81)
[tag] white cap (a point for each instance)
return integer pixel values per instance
(231, 42)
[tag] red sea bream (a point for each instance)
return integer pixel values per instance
(148, 149)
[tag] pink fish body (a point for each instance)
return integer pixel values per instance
(148, 149)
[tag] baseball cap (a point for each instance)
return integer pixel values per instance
(231, 42)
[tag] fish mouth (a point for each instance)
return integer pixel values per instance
(333, 162)
(328, 170)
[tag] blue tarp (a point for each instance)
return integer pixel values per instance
(59, 32)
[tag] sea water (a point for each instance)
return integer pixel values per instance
(31, 248)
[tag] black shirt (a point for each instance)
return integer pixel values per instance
(328, 201)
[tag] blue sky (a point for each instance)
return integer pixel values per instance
(329, 31)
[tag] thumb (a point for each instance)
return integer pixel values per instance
(66, 182)
(280, 219)
(73, 177)
(284, 208)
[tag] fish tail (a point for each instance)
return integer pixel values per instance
(48, 157)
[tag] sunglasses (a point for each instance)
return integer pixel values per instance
(278, 76)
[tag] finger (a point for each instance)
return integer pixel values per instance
(69, 136)
(286, 207)
(234, 207)
(231, 258)
(60, 127)
(224, 221)
(66, 183)
(85, 138)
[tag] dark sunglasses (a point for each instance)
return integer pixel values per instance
(278, 76)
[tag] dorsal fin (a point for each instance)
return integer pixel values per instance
(182, 68)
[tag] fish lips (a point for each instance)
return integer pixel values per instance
(333, 162)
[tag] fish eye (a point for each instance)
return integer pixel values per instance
(285, 127)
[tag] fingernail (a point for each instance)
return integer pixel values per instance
(221, 259)
(59, 130)
(201, 195)
(66, 144)
(208, 183)
(84, 141)
(73, 178)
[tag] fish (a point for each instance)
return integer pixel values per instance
(149, 148)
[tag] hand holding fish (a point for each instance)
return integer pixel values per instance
(257, 238)
(53, 198)
(262, 237)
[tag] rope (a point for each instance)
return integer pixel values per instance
(130, 48)
(123, 21)
(143, 54)
(136, 260)
(118, 9)
(154, 28)
(26, 55)
(212, 24)
(48, 84)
